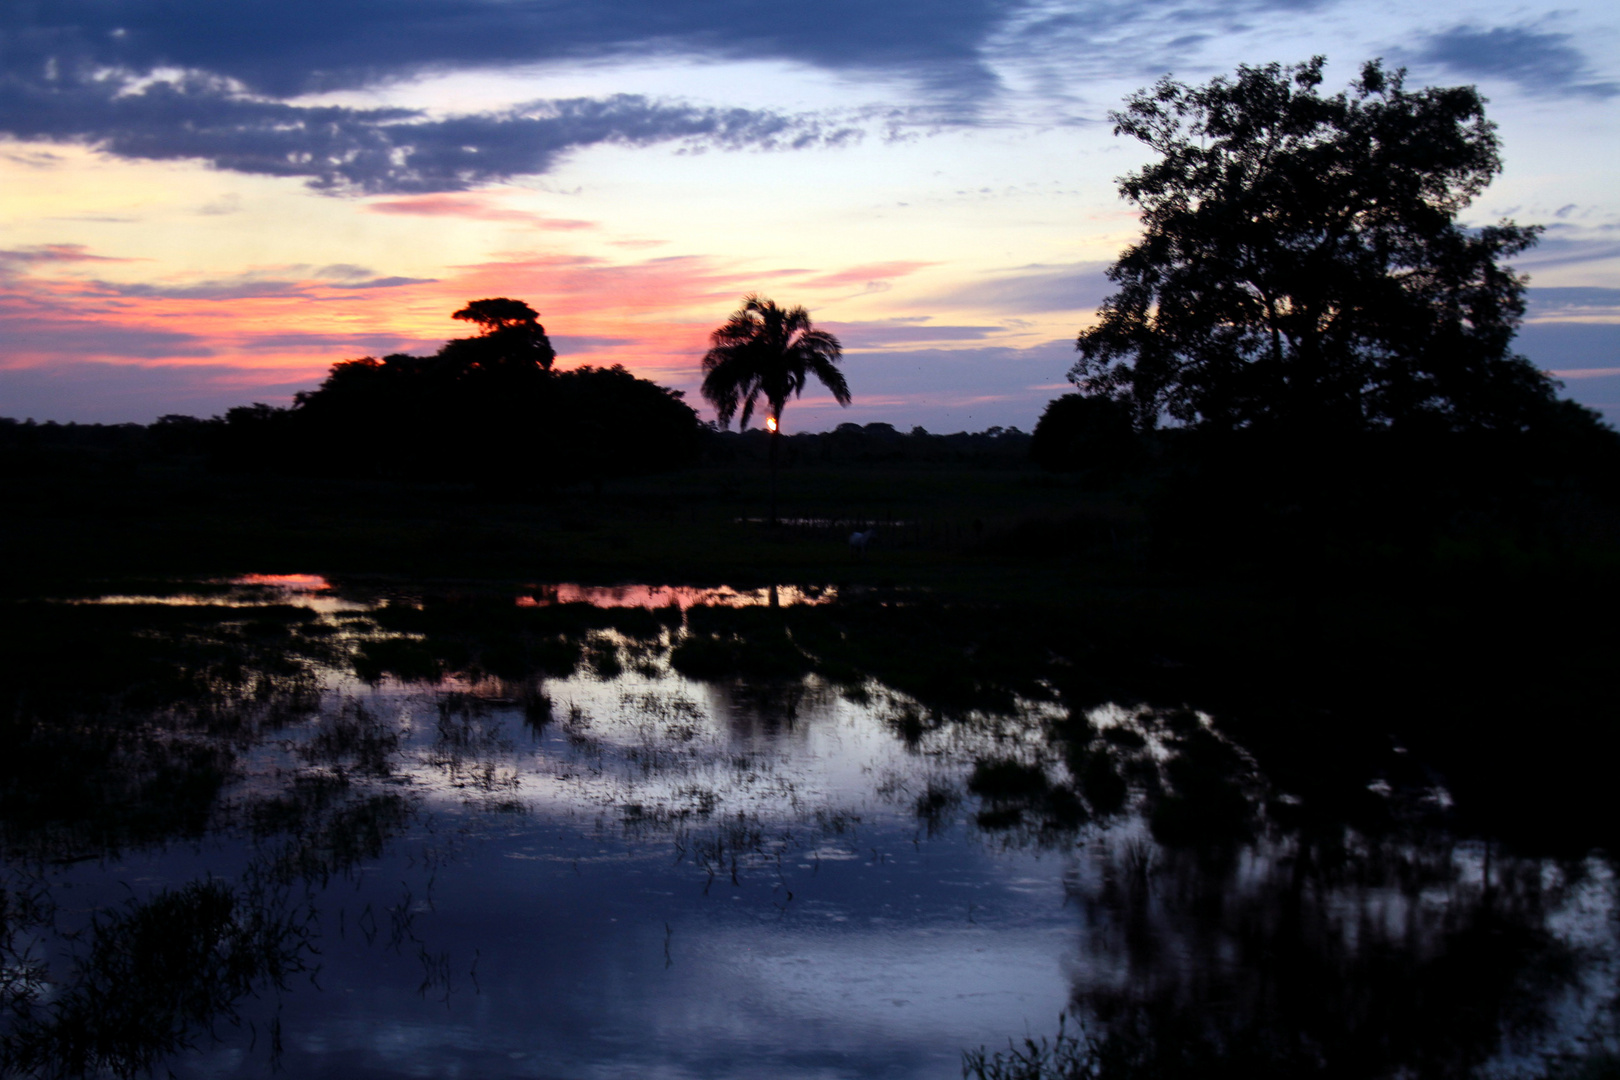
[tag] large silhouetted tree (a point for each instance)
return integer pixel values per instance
(1333, 343)
(770, 352)
(491, 410)
(1302, 268)
(512, 343)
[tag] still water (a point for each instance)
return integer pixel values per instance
(565, 831)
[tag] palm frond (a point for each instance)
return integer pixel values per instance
(763, 350)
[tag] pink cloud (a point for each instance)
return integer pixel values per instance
(476, 207)
(866, 274)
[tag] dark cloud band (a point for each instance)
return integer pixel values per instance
(220, 82)
(283, 48)
(1539, 61)
(367, 150)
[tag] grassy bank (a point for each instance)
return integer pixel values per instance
(936, 525)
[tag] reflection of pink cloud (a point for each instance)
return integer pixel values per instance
(866, 274)
(475, 207)
(656, 597)
(290, 582)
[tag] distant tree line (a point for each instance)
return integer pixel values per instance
(875, 444)
(250, 436)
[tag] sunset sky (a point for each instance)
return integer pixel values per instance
(205, 204)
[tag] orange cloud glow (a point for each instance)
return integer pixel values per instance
(653, 316)
(261, 333)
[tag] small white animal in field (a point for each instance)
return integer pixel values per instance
(860, 541)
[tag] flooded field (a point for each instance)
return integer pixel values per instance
(567, 831)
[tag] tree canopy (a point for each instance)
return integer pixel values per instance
(512, 343)
(1302, 267)
(490, 408)
(498, 313)
(768, 351)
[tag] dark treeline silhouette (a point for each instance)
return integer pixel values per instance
(488, 409)
(1235, 499)
(875, 444)
(255, 437)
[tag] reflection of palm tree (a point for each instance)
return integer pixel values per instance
(764, 350)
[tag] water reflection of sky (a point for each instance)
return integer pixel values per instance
(654, 597)
(311, 591)
(670, 878)
(317, 593)
(647, 874)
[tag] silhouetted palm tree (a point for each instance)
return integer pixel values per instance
(770, 352)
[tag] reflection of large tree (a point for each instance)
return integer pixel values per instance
(1235, 943)
(1307, 961)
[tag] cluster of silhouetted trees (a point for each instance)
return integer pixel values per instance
(485, 408)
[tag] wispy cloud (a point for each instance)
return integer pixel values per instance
(1586, 373)
(653, 315)
(878, 335)
(243, 287)
(202, 117)
(1539, 61)
(1574, 303)
(473, 206)
(866, 276)
(1039, 288)
(282, 48)
(1565, 245)
(54, 253)
(1584, 353)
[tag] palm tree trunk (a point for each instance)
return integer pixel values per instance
(775, 435)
